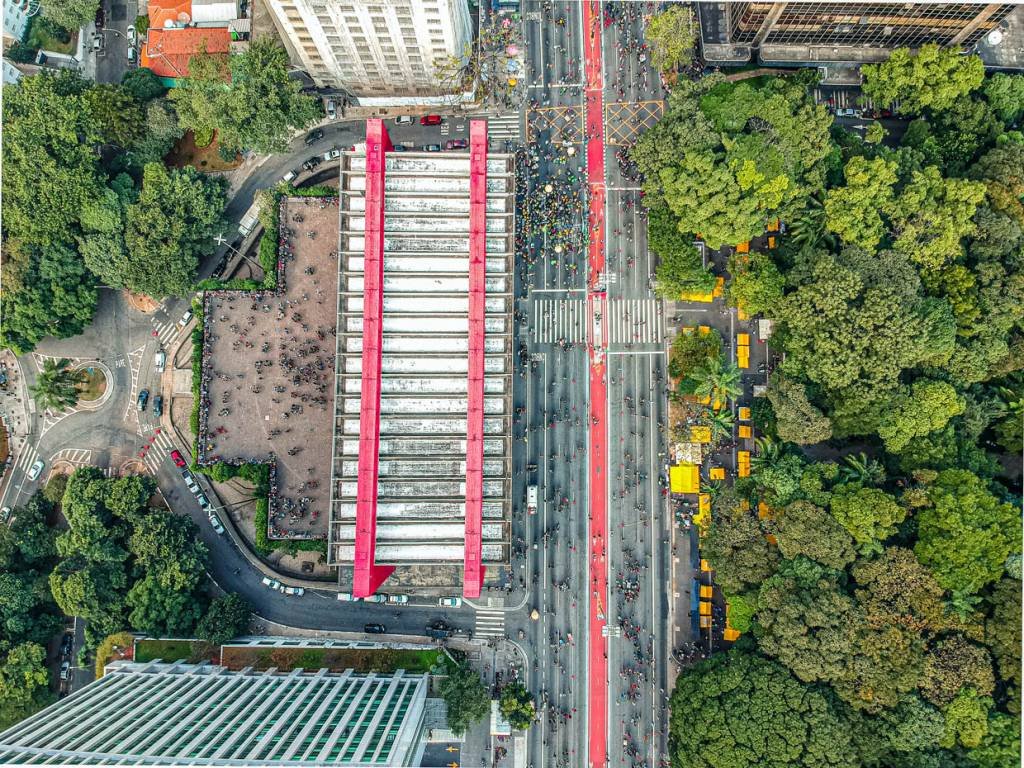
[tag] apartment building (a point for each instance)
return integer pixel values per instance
(809, 32)
(374, 49)
(184, 714)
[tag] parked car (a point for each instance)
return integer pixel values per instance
(67, 644)
(5, 514)
(456, 144)
(432, 148)
(439, 630)
(132, 36)
(399, 148)
(216, 525)
(332, 111)
(403, 120)
(185, 318)
(398, 599)
(348, 597)
(314, 136)
(846, 112)
(312, 163)
(376, 599)
(143, 399)
(190, 482)
(65, 670)
(131, 55)
(203, 501)
(97, 43)
(431, 120)
(332, 154)
(450, 602)
(160, 361)
(288, 177)
(294, 591)
(158, 406)
(178, 459)
(375, 629)
(271, 583)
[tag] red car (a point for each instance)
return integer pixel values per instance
(456, 144)
(178, 459)
(431, 120)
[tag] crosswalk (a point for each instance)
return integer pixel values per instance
(503, 127)
(26, 459)
(76, 457)
(489, 623)
(167, 331)
(635, 321)
(558, 320)
(160, 445)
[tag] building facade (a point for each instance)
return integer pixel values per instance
(182, 714)
(805, 32)
(374, 48)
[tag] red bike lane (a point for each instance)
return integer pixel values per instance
(597, 678)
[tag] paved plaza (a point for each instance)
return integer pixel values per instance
(270, 370)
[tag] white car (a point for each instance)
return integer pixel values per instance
(332, 154)
(288, 177)
(216, 525)
(403, 120)
(347, 597)
(271, 583)
(332, 111)
(376, 599)
(36, 469)
(185, 318)
(450, 602)
(133, 38)
(294, 591)
(398, 599)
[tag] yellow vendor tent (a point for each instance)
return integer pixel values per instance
(684, 478)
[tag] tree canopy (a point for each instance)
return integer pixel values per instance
(932, 78)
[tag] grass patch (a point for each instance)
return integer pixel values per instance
(91, 385)
(188, 150)
(45, 35)
(167, 650)
(383, 660)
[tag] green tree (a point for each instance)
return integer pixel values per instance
(259, 109)
(894, 589)
(24, 683)
(160, 610)
(855, 211)
(966, 720)
(679, 264)
(718, 380)
(869, 514)
(54, 388)
(34, 537)
(962, 131)
(691, 350)
(71, 14)
(466, 698)
(114, 114)
(966, 535)
(933, 215)
(932, 78)
(928, 406)
(955, 663)
(162, 131)
(168, 549)
(756, 284)
(1000, 747)
(1003, 636)
(170, 227)
(777, 475)
(753, 712)
(141, 83)
(860, 469)
(672, 37)
(805, 529)
(736, 546)
(517, 706)
(875, 133)
(226, 618)
(797, 419)
(1001, 170)
(1005, 94)
(91, 591)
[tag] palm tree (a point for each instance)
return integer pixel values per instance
(768, 452)
(718, 380)
(721, 423)
(55, 386)
(807, 229)
(860, 469)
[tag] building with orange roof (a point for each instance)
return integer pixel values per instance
(167, 51)
(164, 14)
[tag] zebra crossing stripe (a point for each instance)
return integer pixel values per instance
(490, 623)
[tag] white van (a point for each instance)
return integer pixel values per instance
(160, 361)
(531, 499)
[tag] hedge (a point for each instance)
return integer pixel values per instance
(263, 545)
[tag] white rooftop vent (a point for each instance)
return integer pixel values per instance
(995, 37)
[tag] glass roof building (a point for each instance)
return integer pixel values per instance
(182, 714)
